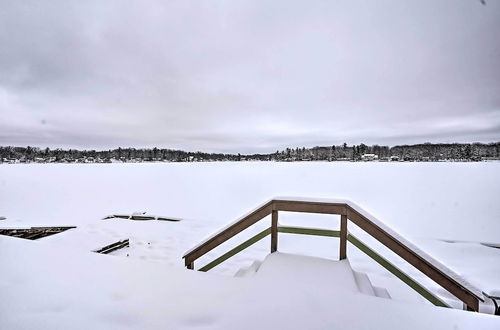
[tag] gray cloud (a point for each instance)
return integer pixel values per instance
(248, 76)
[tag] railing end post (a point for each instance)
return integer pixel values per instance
(472, 308)
(188, 264)
(274, 231)
(343, 237)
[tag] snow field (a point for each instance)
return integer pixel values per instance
(422, 201)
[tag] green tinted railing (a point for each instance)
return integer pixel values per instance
(396, 271)
(236, 250)
(309, 231)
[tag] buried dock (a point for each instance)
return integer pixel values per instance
(113, 247)
(34, 232)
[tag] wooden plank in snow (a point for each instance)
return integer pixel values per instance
(113, 247)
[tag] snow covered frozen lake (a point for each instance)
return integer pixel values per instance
(425, 202)
(440, 200)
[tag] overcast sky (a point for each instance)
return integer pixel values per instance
(248, 76)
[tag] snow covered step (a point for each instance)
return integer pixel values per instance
(248, 271)
(381, 292)
(366, 287)
(305, 273)
(310, 273)
(364, 284)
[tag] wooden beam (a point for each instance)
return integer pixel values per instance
(343, 237)
(236, 250)
(229, 232)
(274, 231)
(310, 207)
(113, 247)
(34, 232)
(309, 231)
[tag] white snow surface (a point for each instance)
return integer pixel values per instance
(45, 287)
(423, 202)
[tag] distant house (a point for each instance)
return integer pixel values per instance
(394, 159)
(369, 157)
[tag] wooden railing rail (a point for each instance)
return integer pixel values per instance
(219, 238)
(443, 276)
(235, 250)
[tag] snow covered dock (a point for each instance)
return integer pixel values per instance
(88, 290)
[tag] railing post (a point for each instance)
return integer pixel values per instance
(343, 237)
(474, 308)
(274, 231)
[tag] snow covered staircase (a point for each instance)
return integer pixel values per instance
(249, 271)
(312, 272)
(309, 273)
(349, 213)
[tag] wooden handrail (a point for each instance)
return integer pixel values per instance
(235, 228)
(440, 274)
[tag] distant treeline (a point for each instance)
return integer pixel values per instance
(416, 152)
(32, 154)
